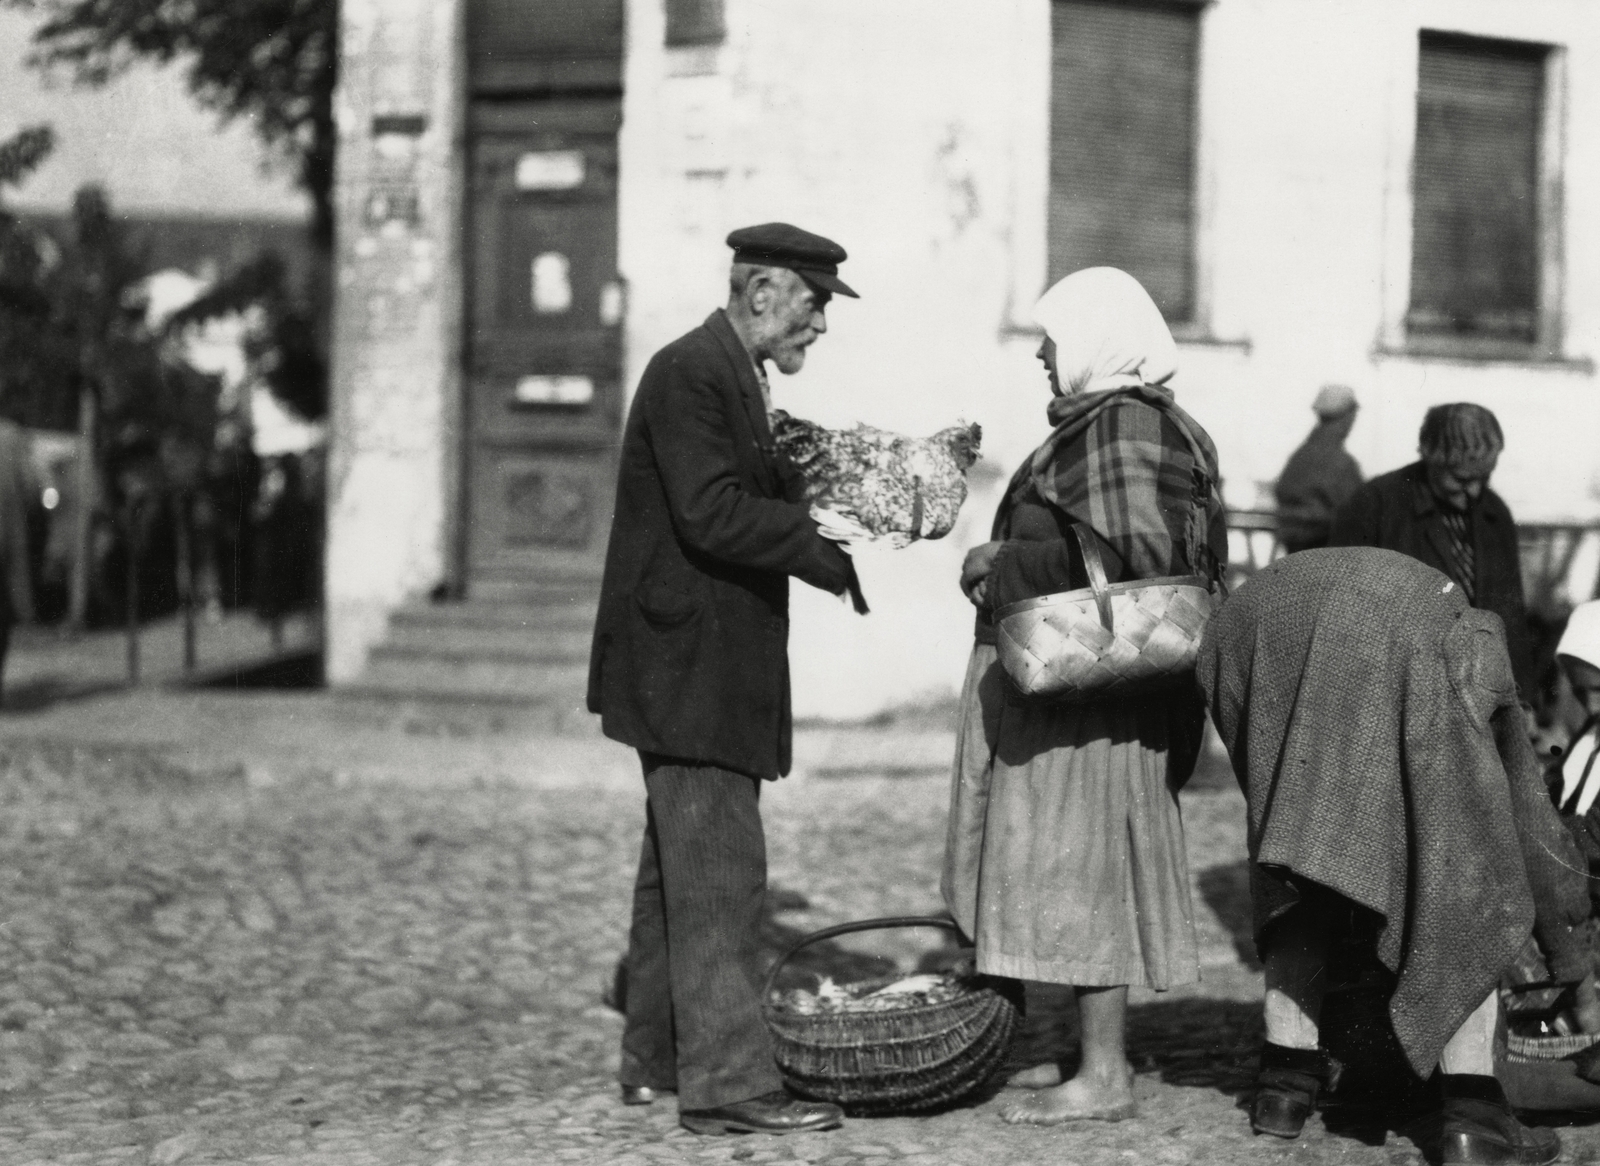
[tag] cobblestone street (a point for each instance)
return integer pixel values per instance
(208, 957)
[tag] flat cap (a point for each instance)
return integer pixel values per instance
(814, 258)
(1333, 401)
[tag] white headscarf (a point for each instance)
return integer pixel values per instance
(1109, 333)
(1581, 641)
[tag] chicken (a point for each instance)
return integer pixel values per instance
(889, 483)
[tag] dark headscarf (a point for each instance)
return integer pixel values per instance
(1373, 723)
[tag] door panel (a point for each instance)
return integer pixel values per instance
(544, 353)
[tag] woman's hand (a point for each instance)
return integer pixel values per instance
(975, 571)
(1586, 1004)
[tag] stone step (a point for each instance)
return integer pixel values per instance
(539, 591)
(533, 640)
(567, 613)
(534, 644)
(475, 678)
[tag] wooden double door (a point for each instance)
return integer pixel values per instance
(545, 308)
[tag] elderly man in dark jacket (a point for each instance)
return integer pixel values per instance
(690, 667)
(1441, 510)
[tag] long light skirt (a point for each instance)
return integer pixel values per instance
(1064, 859)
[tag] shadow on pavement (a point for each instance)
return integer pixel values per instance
(42, 694)
(293, 670)
(1226, 890)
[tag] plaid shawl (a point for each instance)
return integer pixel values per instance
(1140, 472)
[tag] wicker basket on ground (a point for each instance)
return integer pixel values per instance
(903, 1059)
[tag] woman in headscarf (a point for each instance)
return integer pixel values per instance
(1393, 795)
(1065, 859)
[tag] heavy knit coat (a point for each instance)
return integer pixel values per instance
(1373, 724)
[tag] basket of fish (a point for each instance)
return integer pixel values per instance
(892, 1045)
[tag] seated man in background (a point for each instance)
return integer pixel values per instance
(1319, 476)
(1440, 510)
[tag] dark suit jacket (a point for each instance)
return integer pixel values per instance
(690, 656)
(1397, 511)
(1318, 478)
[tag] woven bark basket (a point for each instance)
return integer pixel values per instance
(899, 1060)
(1107, 639)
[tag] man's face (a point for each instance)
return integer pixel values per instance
(793, 320)
(1456, 488)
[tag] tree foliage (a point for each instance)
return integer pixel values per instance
(282, 348)
(273, 62)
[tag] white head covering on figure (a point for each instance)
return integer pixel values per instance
(1581, 641)
(1108, 332)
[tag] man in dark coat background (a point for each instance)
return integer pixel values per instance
(1320, 476)
(1441, 510)
(690, 667)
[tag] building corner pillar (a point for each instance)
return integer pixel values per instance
(395, 434)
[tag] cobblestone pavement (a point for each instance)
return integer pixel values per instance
(217, 965)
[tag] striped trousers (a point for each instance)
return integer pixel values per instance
(693, 1004)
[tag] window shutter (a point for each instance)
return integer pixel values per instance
(523, 46)
(1122, 130)
(694, 22)
(1475, 186)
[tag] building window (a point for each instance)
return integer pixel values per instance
(1122, 143)
(694, 22)
(1477, 199)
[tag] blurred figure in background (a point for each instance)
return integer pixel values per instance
(1319, 476)
(16, 493)
(1440, 510)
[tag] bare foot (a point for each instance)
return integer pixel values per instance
(1036, 1077)
(1076, 1100)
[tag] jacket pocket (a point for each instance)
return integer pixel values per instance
(666, 607)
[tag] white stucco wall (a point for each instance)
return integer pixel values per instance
(920, 144)
(142, 137)
(393, 474)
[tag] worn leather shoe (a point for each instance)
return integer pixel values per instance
(1480, 1129)
(642, 1094)
(777, 1112)
(1286, 1090)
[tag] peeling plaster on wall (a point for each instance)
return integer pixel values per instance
(393, 457)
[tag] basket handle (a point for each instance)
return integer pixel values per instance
(1096, 568)
(845, 929)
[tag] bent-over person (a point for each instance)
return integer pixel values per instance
(1373, 723)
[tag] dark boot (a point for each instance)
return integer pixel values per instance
(1286, 1089)
(1481, 1130)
